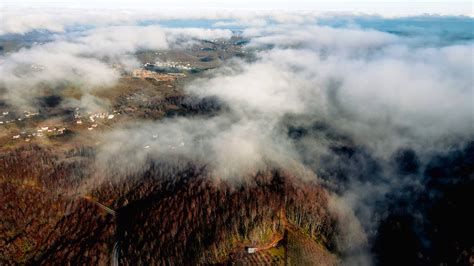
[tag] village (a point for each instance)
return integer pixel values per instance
(25, 126)
(84, 120)
(7, 117)
(159, 69)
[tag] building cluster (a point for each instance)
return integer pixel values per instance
(7, 117)
(92, 119)
(40, 132)
(147, 74)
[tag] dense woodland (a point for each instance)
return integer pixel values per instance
(168, 214)
(42, 221)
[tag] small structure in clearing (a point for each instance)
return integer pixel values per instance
(250, 250)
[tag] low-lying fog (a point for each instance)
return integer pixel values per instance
(396, 90)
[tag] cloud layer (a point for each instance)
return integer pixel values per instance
(383, 92)
(86, 60)
(340, 102)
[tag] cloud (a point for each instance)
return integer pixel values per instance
(319, 37)
(25, 73)
(261, 86)
(377, 93)
(232, 148)
(339, 101)
(352, 239)
(85, 61)
(120, 40)
(22, 20)
(369, 83)
(185, 37)
(64, 17)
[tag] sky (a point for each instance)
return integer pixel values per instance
(382, 7)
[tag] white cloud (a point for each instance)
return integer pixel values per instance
(378, 88)
(383, 91)
(24, 16)
(85, 60)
